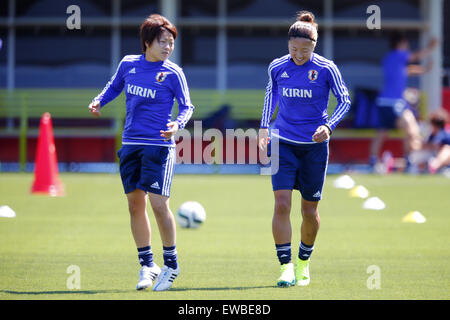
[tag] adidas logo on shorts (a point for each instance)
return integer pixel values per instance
(317, 195)
(155, 185)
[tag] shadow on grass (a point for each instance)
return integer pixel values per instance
(221, 288)
(91, 292)
(62, 292)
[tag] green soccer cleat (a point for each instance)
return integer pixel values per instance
(287, 277)
(302, 272)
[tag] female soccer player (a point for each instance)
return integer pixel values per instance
(147, 155)
(300, 83)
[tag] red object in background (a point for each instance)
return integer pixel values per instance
(446, 99)
(102, 149)
(70, 149)
(46, 165)
(356, 150)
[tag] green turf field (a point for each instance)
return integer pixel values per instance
(232, 255)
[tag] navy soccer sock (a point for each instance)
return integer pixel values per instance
(145, 256)
(284, 252)
(170, 257)
(305, 251)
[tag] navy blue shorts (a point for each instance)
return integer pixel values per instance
(388, 114)
(149, 168)
(302, 167)
(387, 118)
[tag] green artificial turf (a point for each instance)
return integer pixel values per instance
(232, 255)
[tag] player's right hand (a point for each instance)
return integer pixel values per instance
(263, 138)
(94, 109)
(433, 43)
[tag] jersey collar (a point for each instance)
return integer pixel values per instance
(149, 64)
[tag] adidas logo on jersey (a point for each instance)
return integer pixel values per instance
(155, 185)
(132, 70)
(284, 75)
(317, 195)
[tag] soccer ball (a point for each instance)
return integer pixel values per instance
(190, 214)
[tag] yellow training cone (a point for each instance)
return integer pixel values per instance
(415, 217)
(359, 192)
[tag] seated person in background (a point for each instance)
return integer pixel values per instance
(439, 141)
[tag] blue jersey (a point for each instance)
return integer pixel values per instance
(395, 77)
(442, 137)
(150, 89)
(302, 94)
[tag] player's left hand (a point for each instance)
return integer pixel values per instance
(172, 128)
(322, 133)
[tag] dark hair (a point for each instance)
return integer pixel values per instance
(439, 118)
(396, 38)
(304, 26)
(153, 27)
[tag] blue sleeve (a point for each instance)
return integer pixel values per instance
(441, 138)
(185, 106)
(340, 91)
(271, 98)
(406, 56)
(113, 88)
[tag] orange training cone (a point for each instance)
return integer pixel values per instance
(46, 166)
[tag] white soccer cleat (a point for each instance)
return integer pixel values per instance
(147, 275)
(165, 279)
(287, 277)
